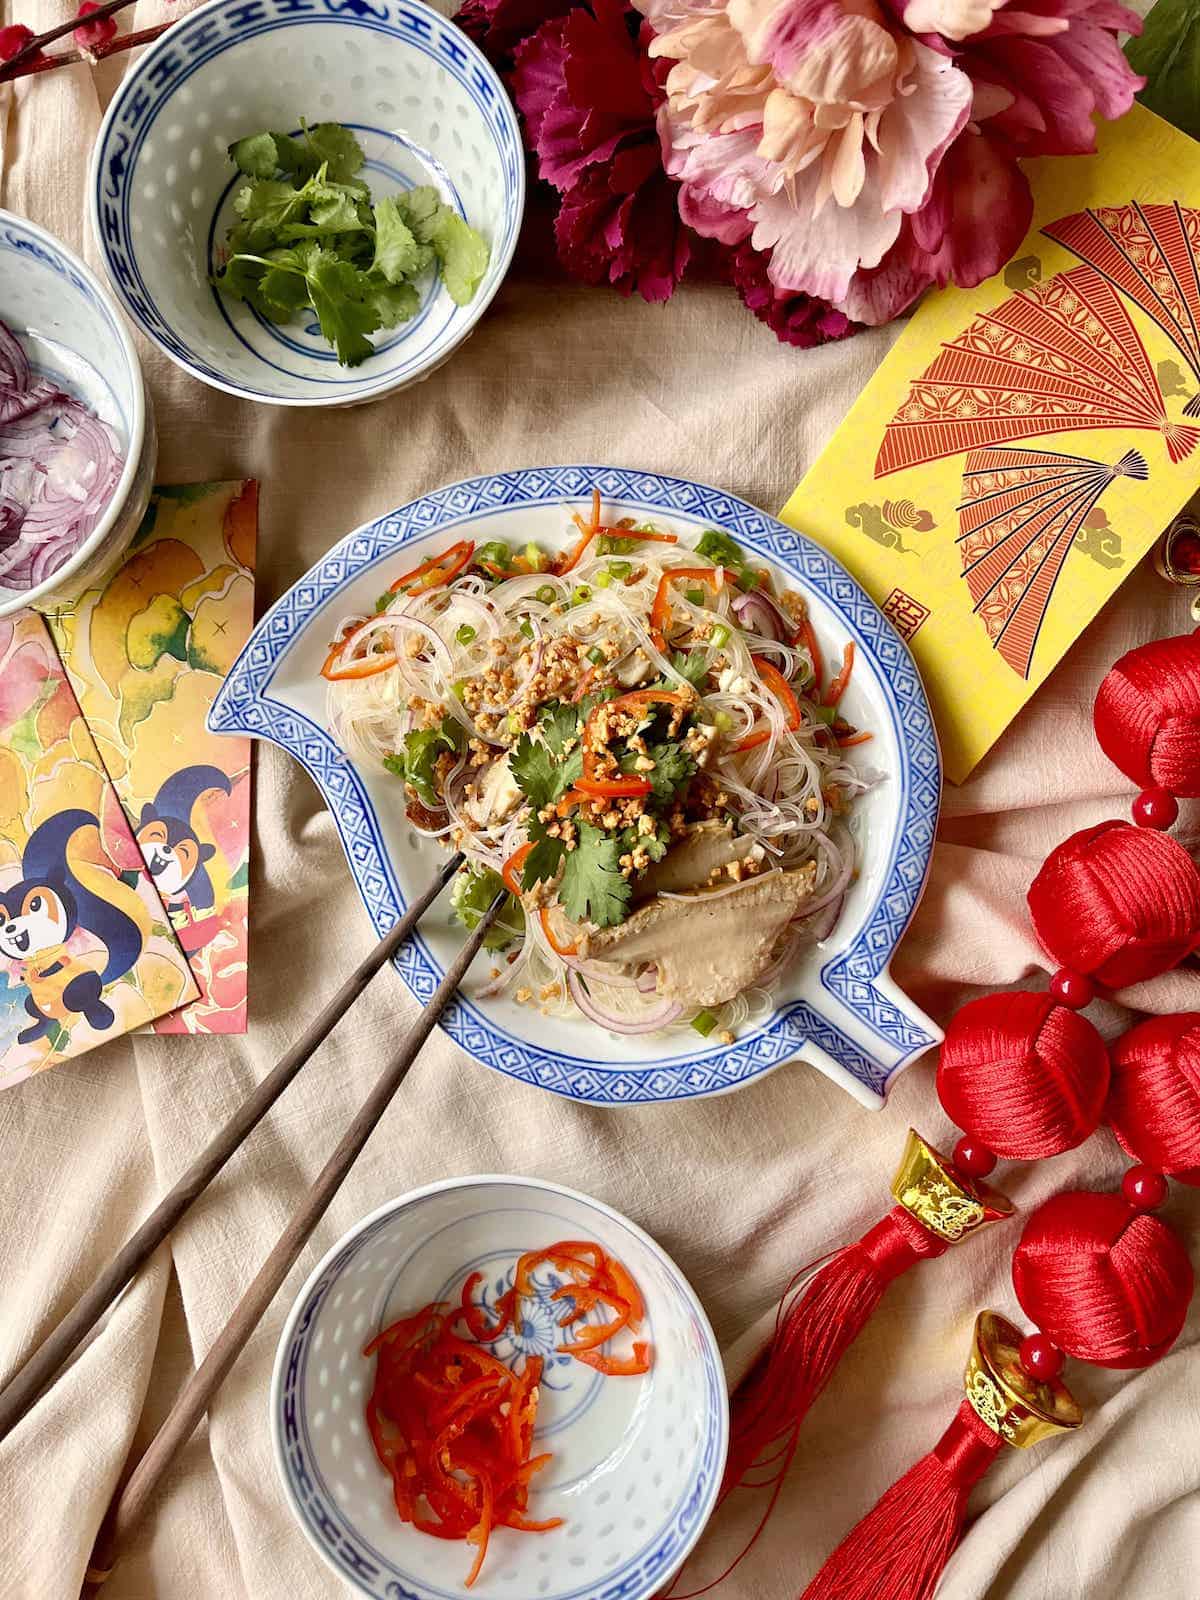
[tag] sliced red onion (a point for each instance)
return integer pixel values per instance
(825, 921)
(642, 981)
(59, 467)
(659, 1017)
(759, 613)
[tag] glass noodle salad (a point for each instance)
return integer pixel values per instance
(640, 741)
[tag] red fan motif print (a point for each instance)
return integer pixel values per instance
(1058, 356)
(1148, 253)
(1019, 514)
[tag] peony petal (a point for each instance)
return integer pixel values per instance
(712, 219)
(1063, 97)
(782, 32)
(917, 128)
(853, 65)
(953, 19)
(848, 167)
(1028, 23)
(1099, 60)
(821, 258)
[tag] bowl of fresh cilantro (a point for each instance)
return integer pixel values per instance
(308, 208)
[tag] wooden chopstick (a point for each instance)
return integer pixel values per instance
(29, 1381)
(131, 1502)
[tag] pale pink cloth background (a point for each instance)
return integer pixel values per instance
(741, 1191)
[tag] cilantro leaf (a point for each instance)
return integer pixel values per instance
(542, 862)
(415, 764)
(256, 156)
(690, 664)
(398, 256)
(393, 303)
(592, 888)
(559, 722)
(335, 148)
(541, 776)
(285, 290)
(340, 299)
(655, 844)
(473, 892)
(673, 769)
(270, 202)
(462, 253)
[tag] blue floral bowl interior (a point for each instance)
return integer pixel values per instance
(427, 109)
(637, 1461)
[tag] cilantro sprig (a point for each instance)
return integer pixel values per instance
(416, 761)
(310, 238)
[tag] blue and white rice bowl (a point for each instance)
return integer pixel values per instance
(422, 101)
(637, 1461)
(70, 329)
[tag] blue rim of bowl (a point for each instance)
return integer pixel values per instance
(416, 23)
(43, 246)
(344, 1548)
(698, 1067)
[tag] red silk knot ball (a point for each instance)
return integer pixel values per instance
(1154, 1097)
(1023, 1075)
(1106, 1282)
(1118, 903)
(1148, 715)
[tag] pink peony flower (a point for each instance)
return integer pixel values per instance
(587, 97)
(867, 162)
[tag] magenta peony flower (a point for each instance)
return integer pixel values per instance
(588, 98)
(795, 319)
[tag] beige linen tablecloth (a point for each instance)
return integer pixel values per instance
(740, 1190)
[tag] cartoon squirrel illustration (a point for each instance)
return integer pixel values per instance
(39, 914)
(168, 841)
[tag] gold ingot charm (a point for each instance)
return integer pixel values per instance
(1021, 1409)
(947, 1202)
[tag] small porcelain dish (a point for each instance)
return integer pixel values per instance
(836, 1007)
(73, 334)
(637, 1462)
(426, 107)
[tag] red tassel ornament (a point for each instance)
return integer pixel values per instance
(1147, 715)
(900, 1548)
(1026, 1076)
(1154, 1099)
(1108, 1282)
(1118, 903)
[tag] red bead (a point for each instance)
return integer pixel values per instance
(1072, 989)
(1040, 1357)
(1155, 808)
(973, 1159)
(13, 39)
(1144, 1188)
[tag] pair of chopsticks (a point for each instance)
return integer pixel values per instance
(131, 1501)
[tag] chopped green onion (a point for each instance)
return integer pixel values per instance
(546, 594)
(722, 721)
(825, 714)
(384, 601)
(465, 634)
(611, 545)
(580, 593)
(538, 562)
(514, 722)
(596, 656)
(496, 553)
(696, 596)
(620, 569)
(704, 1022)
(720, 636)
(602, 580)
(526, 627)
(459, 689)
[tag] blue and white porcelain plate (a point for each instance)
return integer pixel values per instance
(637, 1461)
(838, 1008)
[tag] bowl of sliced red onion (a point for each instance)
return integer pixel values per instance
(76, 432)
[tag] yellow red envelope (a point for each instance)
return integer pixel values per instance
(1025, 442)
(86, 950)
(146, 654)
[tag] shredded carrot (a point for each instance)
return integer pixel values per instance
(850, 740)
(809, 639)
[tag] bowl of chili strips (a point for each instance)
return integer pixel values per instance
(497, 1386)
